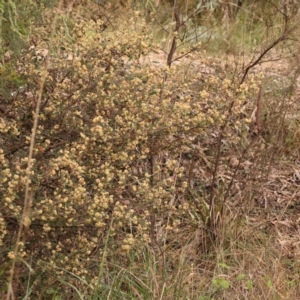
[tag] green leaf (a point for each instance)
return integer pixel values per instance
(224, 265)
(50, 291)
(269, 283)
(241, 276)
(249, 285)
(221, 283)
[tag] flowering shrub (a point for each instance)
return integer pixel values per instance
(113, 146)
